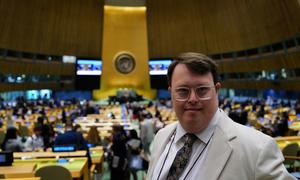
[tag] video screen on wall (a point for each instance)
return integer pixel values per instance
(88, 67)
(36, 94)
(159, 67)
(88, 73)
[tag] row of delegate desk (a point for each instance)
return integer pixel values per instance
(286, 140)
(26, 163)
(26, 168)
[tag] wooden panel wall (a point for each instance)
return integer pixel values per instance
(56, 27)
(38, 67)
(214, 26)
(74, 27)
(25, 86)
(289, 61)
(290, 85)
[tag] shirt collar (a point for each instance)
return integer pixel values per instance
(204, 135)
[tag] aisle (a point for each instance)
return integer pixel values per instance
(106, 174)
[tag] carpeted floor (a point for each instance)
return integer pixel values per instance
(106, 174)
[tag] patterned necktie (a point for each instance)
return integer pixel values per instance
(182, 157)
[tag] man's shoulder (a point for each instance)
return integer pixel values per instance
(165, 132)
(250, 137)
(67, 135)
(250, 132)
(233, 129)
(161, 138)
(60, 136)
(167, 129)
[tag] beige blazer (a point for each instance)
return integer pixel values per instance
(236, 152)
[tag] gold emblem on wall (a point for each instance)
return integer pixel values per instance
(125, 63)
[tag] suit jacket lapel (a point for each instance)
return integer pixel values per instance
(218, 153)
(219, 149)
(164, 141)
(161, 145)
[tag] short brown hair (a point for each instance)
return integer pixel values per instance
(195, 62)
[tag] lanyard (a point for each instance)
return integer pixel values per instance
(173, 137)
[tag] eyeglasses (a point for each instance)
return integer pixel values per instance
(202, 92)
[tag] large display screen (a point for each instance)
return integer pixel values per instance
(159, 66)
(88, 74)
(88, 67)
(36, 94)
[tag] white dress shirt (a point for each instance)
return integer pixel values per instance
(176, 142)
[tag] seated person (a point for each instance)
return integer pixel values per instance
(12, 142)
(1, 125)
(71, 137)
(78, 128)
(93, 136)
(35, 141)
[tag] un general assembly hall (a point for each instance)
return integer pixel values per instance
(150, 89)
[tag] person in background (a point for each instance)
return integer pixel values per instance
(93, 136)
(77, 128)
(1, 125)
(89, 109)
(46, 131)
(134, 144)
(12, 142)
(282, 126)
(35, 141)
(63, 116)
(2, 132)
(118, 154)
(147, 131)
(9, 118)
(205, 143)
(297, 107)
(71, 137)
(158, 124)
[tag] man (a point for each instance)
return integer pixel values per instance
(147, 131)
(46, 131)
(35, 141)
(71, 137)
(206, 144)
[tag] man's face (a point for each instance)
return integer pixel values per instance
(195, 113)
